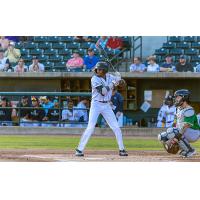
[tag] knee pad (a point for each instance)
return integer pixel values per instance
(162, 137)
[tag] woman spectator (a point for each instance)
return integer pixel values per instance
(21, 67)
(76, 62)
(152, 67)
(102, 41)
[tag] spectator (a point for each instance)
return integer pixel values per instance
(71, 115)
(13, 38)
(47, 104)
(76, 62)
(82, 39)
(4, 62)
(21, 67)
(168, 65)
(23, 112)
(183, 65)
(152, 67)
(12, 53)
(90, 60)
(198, 68)
(115, 43)
(36, 114)
(117, 106)
(166, 114)
(102, 41)
(5, 113)
(137, 66)
(52, 116)
(36, 66)
(83, 114)
(4, 43)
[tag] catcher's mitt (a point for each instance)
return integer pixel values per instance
(171, 146)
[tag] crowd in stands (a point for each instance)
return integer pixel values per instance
(43, 111)
(183, 65)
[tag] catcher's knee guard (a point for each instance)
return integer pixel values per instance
(169, 134)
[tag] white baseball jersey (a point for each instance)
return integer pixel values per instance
(71, 115)
(98, 81)
(166, 114)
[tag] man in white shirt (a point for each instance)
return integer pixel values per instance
(4, 62)
(36, 66)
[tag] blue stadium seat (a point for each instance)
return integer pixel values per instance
(66, 39)
(59, 45)
(175, 39)
(64, 52)
(195, 45)
(169, 45)
(82, 52)
(40, 39)
(66, 58)
(191, 52)
(85, 45)
(45, 45)
(50, 52)
(198, 38)
(43, 58)
(30, 45)
(183, 45)
(27, 58)
(94, 38)
(176, 51)
(48, 66)
(35, 52)
(61, 64)
(73, 45)
(161, 51)
(189, 38)
(19, 45)
(195, 58)
(53, 39)
(24, 52)
(55, 58)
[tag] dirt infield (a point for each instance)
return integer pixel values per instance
(90, 156)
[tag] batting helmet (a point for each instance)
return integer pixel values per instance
(185, 94)
(101, 65)
(169, 100)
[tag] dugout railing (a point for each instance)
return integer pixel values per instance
(17, 97)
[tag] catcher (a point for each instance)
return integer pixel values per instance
(102, 85)
(187, 129)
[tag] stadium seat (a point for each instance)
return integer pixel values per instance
(176, 51)
(73, 45)
(24, 52)
(191, 51)
(35, 52)
(43, 58)
(59, 45)
(50, 52)
(183, 45)
(85, 45)
(94, 39)
(66, 39)
(82, 52)
(169, 45)
(27, 58)
(39, 39)
(61, 64)
(195, 45)
(64, 52)
(189, 39)
(198, 38)
(175, 39)
(195, 58)
(45, 45)
(66, 58)
(161, 51)
(48, 66)
(55, 58)
(19, 45)
(53, 39)
(31, 45)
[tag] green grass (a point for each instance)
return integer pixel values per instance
(71, 142)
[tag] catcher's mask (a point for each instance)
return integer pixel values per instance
(184, 94)
(169, 100)
(101, 65)
(171, 146)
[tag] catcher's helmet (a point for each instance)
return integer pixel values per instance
(101, 65)
(185, 94)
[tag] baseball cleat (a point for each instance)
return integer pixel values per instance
(189, 153)
(79, 153)
(123, 153)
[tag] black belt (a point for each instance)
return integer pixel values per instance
(103, 101)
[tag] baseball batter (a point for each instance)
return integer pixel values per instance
(187, 129)
(102, 84)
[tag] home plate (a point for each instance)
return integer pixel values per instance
(94, 158)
